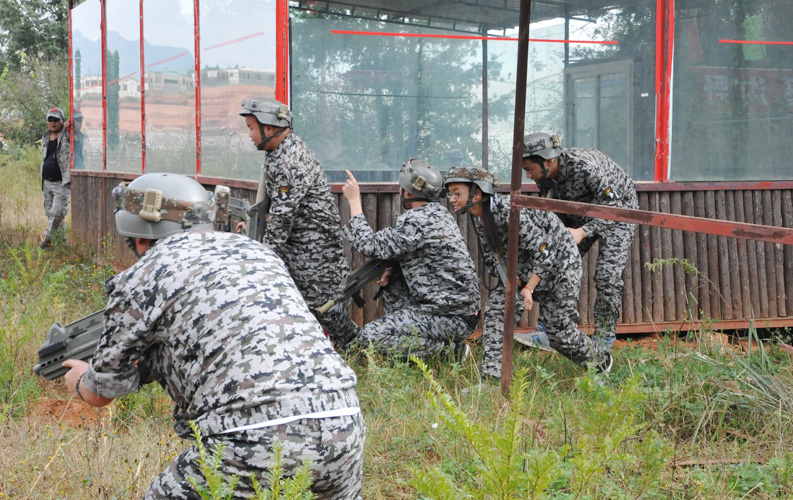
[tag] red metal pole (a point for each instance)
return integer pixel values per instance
(142, 96)
(282, 51)
(771, 234)
(664, 49)
(197, 83)
(103, 36)
(71, 91)
(514, 213)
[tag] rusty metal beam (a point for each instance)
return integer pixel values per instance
(771, 234)
(521, 80)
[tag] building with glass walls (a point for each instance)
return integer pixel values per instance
(693, 98)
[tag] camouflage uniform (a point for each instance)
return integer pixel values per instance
(436, 300)
(56, 194)
(589, 176)
(304, 229)
(546, 248)
(221, 326)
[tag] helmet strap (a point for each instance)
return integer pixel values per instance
(130, 241)
(544, 170)
(265, 138)
(470, 202)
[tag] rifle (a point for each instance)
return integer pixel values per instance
(355, 281)
(76, 340)
(254, 216)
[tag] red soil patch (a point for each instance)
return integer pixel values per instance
(72, 412)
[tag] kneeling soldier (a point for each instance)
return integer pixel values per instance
(216, 319)
(549, 269)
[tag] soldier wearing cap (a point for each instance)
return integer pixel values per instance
(588, 176)
(55, 174)
(303, 225)
(432, 301)
(216, 319)
(549, 270)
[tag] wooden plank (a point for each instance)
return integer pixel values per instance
(370, 210)
(703, 282)
(636, 281)
(678, 251)
(626, 315)
(733, 269)
(725, 283)
(787, 220)
(583, 294)
(743, 260)
(690, 252)
(670, 310)
(592, 259)
(645, 243)
(768, 219)
(716, 303)
(762, 277)
(779, 254)
(385, 218)
(658, 274)
(751, 255)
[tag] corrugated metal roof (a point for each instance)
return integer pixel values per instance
(459, 15)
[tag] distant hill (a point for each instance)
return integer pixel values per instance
(129, 55)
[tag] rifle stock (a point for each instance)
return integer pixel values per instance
(356, 280)
(77, 340)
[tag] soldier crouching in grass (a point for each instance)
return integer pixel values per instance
(549, 270)
(216, 319)
(432, 303)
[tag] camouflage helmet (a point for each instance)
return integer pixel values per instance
(470, 174)
(421, 179)
(541, 144)
(155, 206)
(267, 111)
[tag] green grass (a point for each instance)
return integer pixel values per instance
(692, 419)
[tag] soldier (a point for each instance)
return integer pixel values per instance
(216, 319)
(55, 174)
(588, 176)
(303, 225)
(549, 270)
(432, 301)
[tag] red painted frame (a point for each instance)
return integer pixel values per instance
(142, 96)
(282, 51)
(197, 84)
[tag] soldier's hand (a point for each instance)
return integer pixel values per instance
(577, 233)
(352, 193)
(528, 299)
(241, 227)
(383, 281)
(72, 377)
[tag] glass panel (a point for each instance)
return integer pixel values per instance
(87, 73)
(732, 103)
(584, 115)
(168, 32)
(237, 61)
(123, 86)
(606, 101)
(614, 114)
(368, 103)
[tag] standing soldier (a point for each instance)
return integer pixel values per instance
(216, 319)
(432, 301)
(303, 224)
(589, 176)
(55, 174)
(549, 270)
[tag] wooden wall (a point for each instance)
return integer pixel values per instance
(728, 282)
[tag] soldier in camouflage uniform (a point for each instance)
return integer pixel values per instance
(432, 303)
(549, 269)
(303, 225)
(55, 174)
(588, 176)
(216, 319)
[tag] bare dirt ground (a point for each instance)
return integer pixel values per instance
(67, 412)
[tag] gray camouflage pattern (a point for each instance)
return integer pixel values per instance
(304, 229)
(62, 153)
(56, 205)
(334, 446)
(224, 330)
(441, 288)
(545, 247)
(589, 176)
